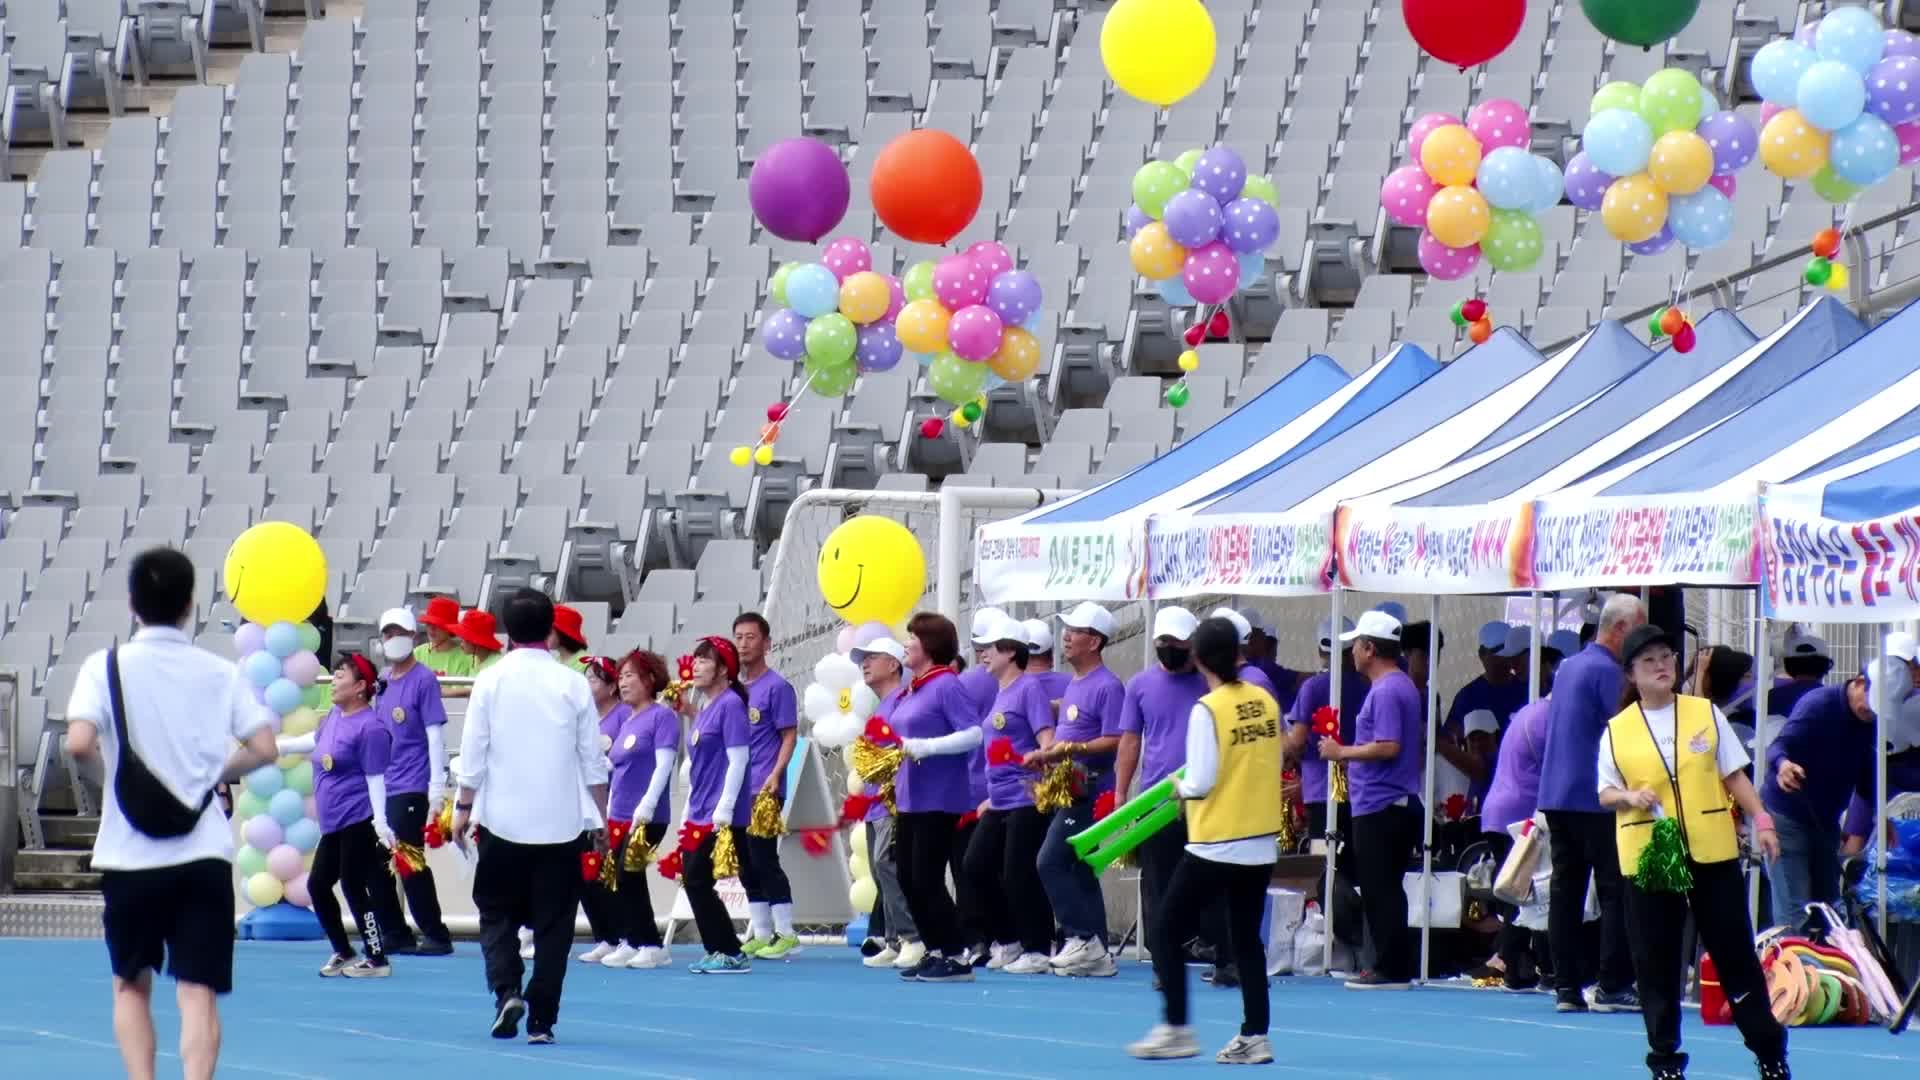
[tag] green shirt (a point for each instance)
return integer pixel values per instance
(452, 660)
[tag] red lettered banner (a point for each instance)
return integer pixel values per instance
(1822, 570)
(1450, 550)
(1584, 542)
(1242, 554)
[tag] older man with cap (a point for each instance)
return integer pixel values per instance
(416, 781)
(1040, 658)
(1806, 660)
(1315, 693)
(1248, 671)
(1495, 689)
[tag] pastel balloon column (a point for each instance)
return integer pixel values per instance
(1201, 225)
(1659, 161)
(970, 318)
(274, 808)
(1473, 190)
(1842, 103)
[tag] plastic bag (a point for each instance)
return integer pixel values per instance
(1903, 874)
(1310, 946)
(1286, 910)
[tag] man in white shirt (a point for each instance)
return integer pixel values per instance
(167, 896)
(534, 782)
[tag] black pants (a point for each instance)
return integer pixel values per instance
(922, 847)
(1656, 923)
(1383, 843)
(1582, 844)
(407, 814)
(1198, 885)
(761, 874)
(709, 911)
(532, 885)
(350, 858)
(1160, 856)
(971, 907)
(1000, 860)
(632, 903)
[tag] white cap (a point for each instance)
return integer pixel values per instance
(1374, 624)
(1174, 622)
(880, 646)
(1481, 720)
(1564, 642)
(1001, 627)
(1254, 621)
(1493, 635)
(1240, 624)
(1901, 644)
(984, 620)
(1519, 641)
(1800, 643)
(1326, 632)
(400, 617)
(1891, 672)
(1087, 615)
(1038, 636)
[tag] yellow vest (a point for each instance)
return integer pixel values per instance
(1693, 792)
(1245, 801)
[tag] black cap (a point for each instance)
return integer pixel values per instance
(1642, 638)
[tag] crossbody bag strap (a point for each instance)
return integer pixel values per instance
(115, 699)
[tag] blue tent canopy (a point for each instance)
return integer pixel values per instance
(1610, 353)
(1891, 487)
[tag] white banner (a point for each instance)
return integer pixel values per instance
(1617, 542)
(1447, 550)
(1822, 570)
(1096, 560)
(1246, 554)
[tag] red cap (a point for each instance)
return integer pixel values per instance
(566, 623)
(443, 612)
(476, 628)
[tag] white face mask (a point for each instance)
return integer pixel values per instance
(397, 649)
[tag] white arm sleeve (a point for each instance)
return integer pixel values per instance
(377, 793)
(730, 788)
(954, 742)
(436, 761)
(656, 784)
(1203, 755)
(295, 744)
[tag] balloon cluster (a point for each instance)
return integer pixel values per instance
(278, 823)
(1473, 189)
(1216, 326)
(1822, 271)
(1658, 161)
(971, 318)
(1674, 323)
(1473, 317)
(279, 661)
(1200, 225)
(1842, 103)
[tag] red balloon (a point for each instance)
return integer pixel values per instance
(1218, 325)
(1473, 310)
(777, 411)
(926, 186)
(1464, 32)
(1683, 340)
(931, 427)
(1195, 334)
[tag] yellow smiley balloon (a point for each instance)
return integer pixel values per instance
(275, 572)
(871, 569)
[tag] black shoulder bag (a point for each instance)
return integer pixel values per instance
(147, 803)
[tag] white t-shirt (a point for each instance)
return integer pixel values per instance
(185, 709)
(1729, 754)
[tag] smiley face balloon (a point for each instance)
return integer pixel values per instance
(871, 569)
(275, 572)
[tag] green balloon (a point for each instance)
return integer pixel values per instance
(954, 380)
(1819, 271)
(1616, 95)
(1654, 329)
(247, 805)
(300, 778)
(1459, 316)
(1259, 187)
(249, 860)
(777, 287)
(830, 380)
(917, 282)
(1670, 101)
(1188, 160)
(1178, 395)
(1645, 23)
(1832, 187)
(1513, 241)
(310, 639)
(1155, 183)
(831, 339)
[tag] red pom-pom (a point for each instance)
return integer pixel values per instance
(966, 819)
(855, 808)
(1195, 334)
(589, 866)
(880, 733)
(1001, 752)
(816, 842)
(1684, 340)
(617, 832)
(1473, 310)
(1456, 807)
(931, 427)
(1218, 325)
(1103, 805)
(686, 668)
(669, 866)
(1326, 721)
(777, 411)
(434, 837)
(693, 834)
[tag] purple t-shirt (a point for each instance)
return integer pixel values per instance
(1393, 713)
(1316, 692)
(938, 784)
(610, 723)
(1516, 779)
(1090, 709)
(1021, 710)
(720, 727)
(411, 705)
(1285, 683)
(1155, 708)
(770, 711)
(981, 689)
(1252, 675)
(349, 748)
(1053, 682)
(643, 731)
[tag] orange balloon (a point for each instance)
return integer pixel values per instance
(1018, 357)
(1480, 331)
(926, 186)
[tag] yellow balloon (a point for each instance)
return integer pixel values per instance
(1018, 356)
(1155, 255)
(1792, 148)
(864, 297)
(857, 866)
(862, 895)
(763, 454)
(1838, 279)
(1681, 163)
(922, 326)
(1458, 216)
(1158, 50)
(1189, 361)
(300, 721)
(276, 572)
(857, 838)
(740, 456)
(264, 890)
(871, 569)
(1634, 209)
(1451, 155)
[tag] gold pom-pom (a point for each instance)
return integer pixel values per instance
(1058, 787)
(408, 860)
(639, 851)
(765, 821)
(726, 855)
(875, 765)
(610, 872)
(1337, 781)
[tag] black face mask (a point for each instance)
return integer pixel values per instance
(1173, 657)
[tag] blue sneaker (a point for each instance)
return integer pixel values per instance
(718, 964)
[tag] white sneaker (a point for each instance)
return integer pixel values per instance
(911, 953)
(1032, 963)
(335, 964)
(600, 951)
(619, 957)
(1001, 956)
(650, 956)
(1072, 952)
(881, 959)
(1098, 965)
(1246, 1050)
(1165, 1041)
(526, 943)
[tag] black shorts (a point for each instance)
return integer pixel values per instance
(180, 914)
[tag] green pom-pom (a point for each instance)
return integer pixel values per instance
(1663, 862)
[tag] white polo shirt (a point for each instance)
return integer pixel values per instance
(531, 749)
(185, 709)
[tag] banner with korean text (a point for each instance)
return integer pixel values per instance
(1096, 560)
(1822, 570)
(1435, 550)
(1241, 554)
(1582, 542)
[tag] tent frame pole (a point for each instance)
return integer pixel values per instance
(1335, 667)
(1426, 802)
(1761, 640)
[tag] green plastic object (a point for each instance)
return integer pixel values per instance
(1128, 826)
(1645, 23)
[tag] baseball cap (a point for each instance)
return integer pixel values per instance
(1889, 672)
(1394, 608)
(1039, 638)
(1001, 626)
(1087, 615)
(1642, 638)
(1493, 635)
(1901, 644)
(400, 617)
(880, 646)
(1564, 642)
(1374, 624)
(1804, 644)
(1481, 720)
(985, 620)
(1174, 622)
(1254, 621)
(1326, 632)
(1241, 626)
(1519, 641)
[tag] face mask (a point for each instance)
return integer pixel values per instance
(1172, 657)
(397, 649)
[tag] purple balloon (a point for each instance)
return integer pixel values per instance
(878, 348)
(1893, 89)
(784, 333)
(1901, 43)
(1137, 219)
(975, 333)
(1211, 273)
(250, 637)
(1655, 244)
(1220, 173)
(1586, 184)
(1733, 140)
(798, 190)
(1252, 226)
(1014, 296)
(1805, 35)
(1193, 218)
(262, 831)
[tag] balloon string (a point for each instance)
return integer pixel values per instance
(784, 412)
(1680, 289)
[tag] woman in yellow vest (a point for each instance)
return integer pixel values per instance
(1233, 806)
(1670, 760)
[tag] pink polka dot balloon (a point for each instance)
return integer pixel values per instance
(896, 299)
(958, 282)
(1425, 126)
(991, 258)
(1768, 110)
(1445, 263)
(846, 257)
(974, 333)
(1725, 185)
(1909, 135)
(1211, 273)
(1405, 195)
(1498, 123)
